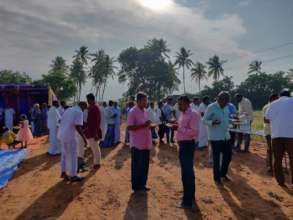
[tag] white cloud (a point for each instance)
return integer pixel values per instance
(34, 31)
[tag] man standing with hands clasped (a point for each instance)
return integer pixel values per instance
(139, 125)
(217, 120)
(187, 135)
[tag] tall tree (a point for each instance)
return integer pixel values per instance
(215, 67)
(78, 68)
(58, 79)
(159, 46)
(59, 64)
(103, 68)
(255, 67)
(183, 61)
(199, 73)
(83, 54)
(146, 70)
(78, 75)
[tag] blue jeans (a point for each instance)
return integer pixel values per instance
(186, 157)
(225, 148)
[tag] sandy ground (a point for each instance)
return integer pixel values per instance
(37, 192)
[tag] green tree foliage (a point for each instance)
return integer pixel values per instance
(226, 84)
(9, 76)
(147, 70)
(78, 68)
(78, 75)
(215, 67)
(58, 79)
(258, 87)
(199, 73)
(255, 67)
(183, 61)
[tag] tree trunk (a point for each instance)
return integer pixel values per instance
(199, 85)
(105, 84)
(79, 92)
(184, 89)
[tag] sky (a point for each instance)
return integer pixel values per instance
(34, 32)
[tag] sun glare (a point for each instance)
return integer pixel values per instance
(156, 5)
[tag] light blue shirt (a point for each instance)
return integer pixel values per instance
(218, 132)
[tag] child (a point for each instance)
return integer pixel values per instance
(24, 134)
(8, 137)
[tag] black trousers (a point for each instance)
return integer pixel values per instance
(225, 148)
(186, 157)
(246, 138)
(140, 160)
(162, 131)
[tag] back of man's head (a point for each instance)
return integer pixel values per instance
(285, 93)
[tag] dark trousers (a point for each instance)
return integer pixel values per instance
(232, 139)
(139, 168)
(280, 146)
(186, 157)
(162, 131)
(225, 148)
(269, 153)
(246, 138)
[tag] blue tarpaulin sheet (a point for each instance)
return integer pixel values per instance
(9, 160)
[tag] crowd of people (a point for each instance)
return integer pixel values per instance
(217, 125)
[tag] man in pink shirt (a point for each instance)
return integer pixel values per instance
(138, 124)
(187, 136)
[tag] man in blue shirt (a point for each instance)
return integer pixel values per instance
(217, 119)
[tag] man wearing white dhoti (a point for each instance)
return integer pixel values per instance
(53, 120)
(80, 145)
(203, 136)
(9, 117)
(71, 122)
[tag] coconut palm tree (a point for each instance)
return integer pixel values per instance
(59, 64)
(103, 68)
(83, 54)
(160, 46)
(78, 74)
(198, 73)
(183, 61)
(78, 69)
(215, 67)
(255, 67)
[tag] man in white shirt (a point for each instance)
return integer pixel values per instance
(53, 120)
(267, 133)
(71, 122)
(244, 108)
(9, 117)
(280, 116)
(203, 134)
(195, 104)
(168, 111)
(110, 119)
(154, 117)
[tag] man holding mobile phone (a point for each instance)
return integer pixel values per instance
(139, 127)
(217, 120)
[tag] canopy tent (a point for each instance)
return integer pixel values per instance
(22, 97)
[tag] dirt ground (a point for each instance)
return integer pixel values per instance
(37, 192)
